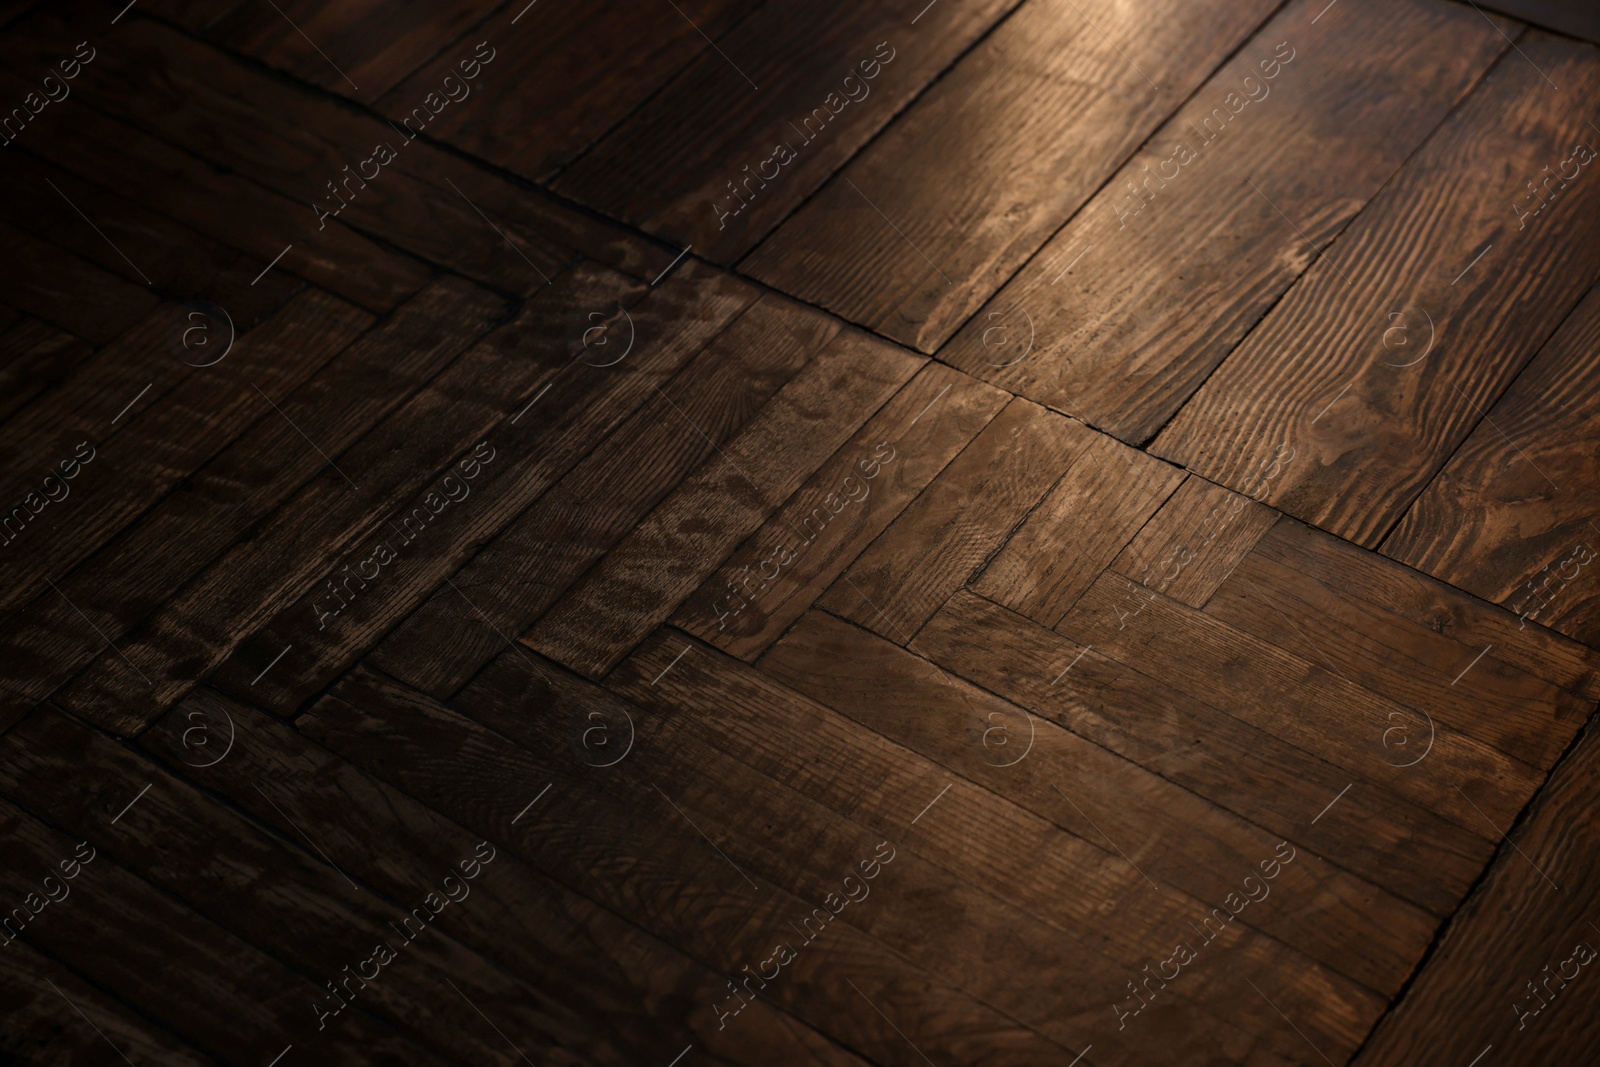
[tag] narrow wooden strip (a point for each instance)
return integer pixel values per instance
(54, 1017)
(1514, 970)
(1371, 832)
(848, 502)
(660, 874)
(164, 256)
(518, 575)
(303, 905)
(45, 642)
(974, 840)
(52, 284)
(133, 460)
(1462, 687)
(123, 934)
(1175, 836)
(1194, 542)
(1380, 362)
(407, 559)
(1123, 313)
(964, 515)
(35, 356)
(562, 76)
(1511, 516)
(924, 225)
(712, 162)
(395, 465)
(661, 563)
(600, 976)
(1081, 525)
(1415, 596)
(1302, 698)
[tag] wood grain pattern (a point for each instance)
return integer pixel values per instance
(743, 136)
(924, 225)
(967, 512)
(522, 572)
(288, 556)
(661, 563)
(995, 847)
(605, 996)
(126, 579)
(1147, 289)
(134, 459)
(664, 877)
(1511, 514)
(1466, 688)
(1363, 456)
(838, 512)
(1202, 532)
(49, 283)
(1082, 524)
(34, 356)
(1505, 974)
(1295, 696)
(562, 76)
(1386, 839)
(1181, 839)
(1429, 602)
(138, 932)
(583, 405)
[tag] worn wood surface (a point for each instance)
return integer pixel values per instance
(559, 590)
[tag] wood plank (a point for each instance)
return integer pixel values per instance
(939, 542)
(924, 225)
(1375, 834)
(360, 50)
(296, 141)
(1465, 688)
(1371, 425)
(893, 447)
(584, 404)
(58, 1026)
(231, 208)
(607, 980)
(137, 931)
(195, 631)
(666, 558)
(34, 356)
(1183, 840)
(712, 162)
(1083, 523)
(1205, 530)
(45, 642)
(569, 74)
(652, 868)
(52, 284)
(521, 573)
(136, 458)
(1121, 316)
(974, 840)
(1499, 976)
(298, 903)
(169, 259)
(1517, 493)
(1305, 702)
(1427, 601)
(1564, 16)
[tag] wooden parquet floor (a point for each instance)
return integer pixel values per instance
(988, 532)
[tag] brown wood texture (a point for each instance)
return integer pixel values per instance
(1335, 370)
(1510, 517)
(1127, 309)
(954, 199)
(787, 534)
